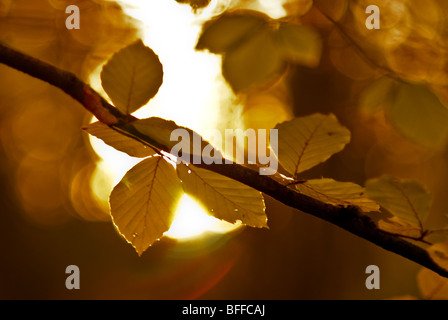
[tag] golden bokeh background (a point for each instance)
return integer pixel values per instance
(51, 215)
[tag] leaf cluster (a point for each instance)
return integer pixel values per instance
(256, 51)
(143, 203)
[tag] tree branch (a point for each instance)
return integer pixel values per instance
(348, 218)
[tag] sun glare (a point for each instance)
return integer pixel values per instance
(191, 221)
(191, 95)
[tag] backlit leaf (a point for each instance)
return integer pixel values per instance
(224, 198)
(230, 30)
(432, 286)
(406, 199)
(418, 114)
(338, 193)
(132, 77)
(413, 109)
(257, 61)
(307, 141)
(143, 203)
(159, 131)
(297, 7)
(299, 44)
(256, 48)
(119, 140)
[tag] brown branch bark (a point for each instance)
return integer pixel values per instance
(347, 218)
